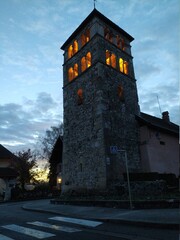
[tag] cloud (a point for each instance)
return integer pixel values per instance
(21, 125)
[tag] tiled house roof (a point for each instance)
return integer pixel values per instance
(158, 124)
(5, 153)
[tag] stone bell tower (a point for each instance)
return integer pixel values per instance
(100, 104)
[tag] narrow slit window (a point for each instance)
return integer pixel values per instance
(121, 93)
(80, 96)
(70, 74)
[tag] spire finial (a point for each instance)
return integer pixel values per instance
(95, 3)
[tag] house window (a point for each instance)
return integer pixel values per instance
(123, 66)
(85, 37)
(110, 59)
(73, 72)
(86, 62)
(72, 49)
(80, 96)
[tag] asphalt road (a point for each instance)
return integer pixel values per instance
(17, 224)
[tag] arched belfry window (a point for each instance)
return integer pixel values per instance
(83, 64)
(70, 74)
(85, 37)
(70, 51)
(73, 49)
(110, 59)
(123, 66)
(73, 72)
(108, 34)
(86, 62)
(120, 43)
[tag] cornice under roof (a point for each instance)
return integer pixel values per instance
(95, 13)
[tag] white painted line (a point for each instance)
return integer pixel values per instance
(29, 231)
(77, 221)
(2, 237)
(55, 227)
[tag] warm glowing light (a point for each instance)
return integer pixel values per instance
(75, 47)
(113, 60)
(125, 67)
(86, 62)
(80, 96)
(121, 66)
(85, 37)
(88, 59)
(110, 59)
(59, 180)
(83, 64)
(107, 57)
(70, 74)
(70, 51)
(75, 70)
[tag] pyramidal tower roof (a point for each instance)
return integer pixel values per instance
(95, 13)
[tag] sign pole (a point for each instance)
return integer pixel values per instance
(128, 180)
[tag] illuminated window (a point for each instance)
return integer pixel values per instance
(70, 74)
(85, 37)
(120, 43)
(72, 49)
(80, 96)
(108, 34)
(113, 60)
(75, 47)
(121, 93)
(83, 64)
(88, 59)
(73, 72)
(110, 59)
(86, 62)
(123, 66)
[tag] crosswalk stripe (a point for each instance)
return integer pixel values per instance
(83, 222)
(2, 237)
(55, 227)
(28, 231)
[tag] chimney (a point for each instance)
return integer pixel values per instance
(165, 116)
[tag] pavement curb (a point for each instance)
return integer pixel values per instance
(111, 220)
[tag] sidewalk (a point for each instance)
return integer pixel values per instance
(162, 218)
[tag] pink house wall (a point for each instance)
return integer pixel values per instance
(159, 151)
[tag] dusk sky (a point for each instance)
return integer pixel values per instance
(31, 77)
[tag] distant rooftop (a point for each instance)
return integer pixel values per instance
(158, 123)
